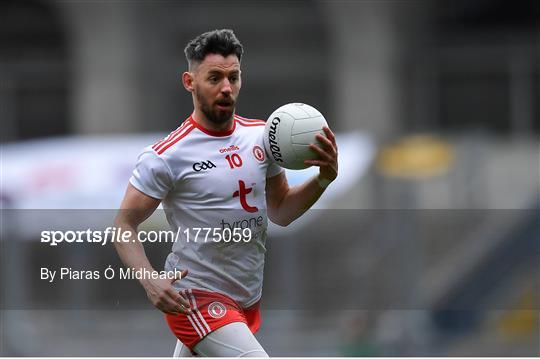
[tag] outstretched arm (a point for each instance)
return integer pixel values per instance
(285, 204)
(136, 207)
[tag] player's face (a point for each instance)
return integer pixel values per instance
(216, 85)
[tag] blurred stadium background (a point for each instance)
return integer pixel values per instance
(430, 246)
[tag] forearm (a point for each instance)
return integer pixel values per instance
(286, 204)
(296, 201)
(132, 252)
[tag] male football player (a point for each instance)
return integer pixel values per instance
(213, 178)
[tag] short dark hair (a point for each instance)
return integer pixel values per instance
(222, 42)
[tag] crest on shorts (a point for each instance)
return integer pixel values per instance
(258, 153)
(217, 310)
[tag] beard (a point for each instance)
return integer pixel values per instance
(214, 114)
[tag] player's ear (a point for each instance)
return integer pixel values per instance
(239, 80)
(187, 81)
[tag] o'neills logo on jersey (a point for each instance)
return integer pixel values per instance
(231, 148)
(274, 148)
(203, 166)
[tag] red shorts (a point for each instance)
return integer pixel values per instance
(211, 311)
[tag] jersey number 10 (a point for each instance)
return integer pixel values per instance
(234, 160)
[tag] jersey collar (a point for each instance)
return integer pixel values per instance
(212, 132)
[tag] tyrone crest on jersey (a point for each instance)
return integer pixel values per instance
(258, 153)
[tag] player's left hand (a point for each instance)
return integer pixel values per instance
(328, 155)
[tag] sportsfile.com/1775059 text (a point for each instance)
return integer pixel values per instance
(114, 234)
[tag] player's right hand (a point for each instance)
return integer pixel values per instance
(165, 298)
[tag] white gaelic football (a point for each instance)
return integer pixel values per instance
(288, 133)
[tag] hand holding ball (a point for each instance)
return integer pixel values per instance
(288, 133)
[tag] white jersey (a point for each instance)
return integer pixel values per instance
(214, 181)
